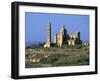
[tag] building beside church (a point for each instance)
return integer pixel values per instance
(62, 38)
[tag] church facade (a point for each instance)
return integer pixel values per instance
(62, 38)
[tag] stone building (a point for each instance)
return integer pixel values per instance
(74, 39)
(63, 37)
(48, 43)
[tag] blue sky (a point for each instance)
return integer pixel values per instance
(36, 25)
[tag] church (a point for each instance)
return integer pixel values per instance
(62, 38)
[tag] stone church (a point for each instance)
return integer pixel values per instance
(62, 38)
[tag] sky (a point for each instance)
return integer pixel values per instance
(36, 25)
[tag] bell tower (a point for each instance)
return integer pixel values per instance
(48, 43)
(49, 33)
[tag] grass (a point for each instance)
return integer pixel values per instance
(57, 56)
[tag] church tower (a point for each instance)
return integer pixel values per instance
(48, 43)
(49, 33)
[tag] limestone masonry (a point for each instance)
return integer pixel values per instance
(62, 38)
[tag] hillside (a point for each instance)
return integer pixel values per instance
(56, 56)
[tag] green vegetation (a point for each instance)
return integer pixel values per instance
(57, 56)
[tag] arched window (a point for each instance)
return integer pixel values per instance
(72, 38)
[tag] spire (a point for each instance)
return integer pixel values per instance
(49, 22)
(62, 29)
(63, 26)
